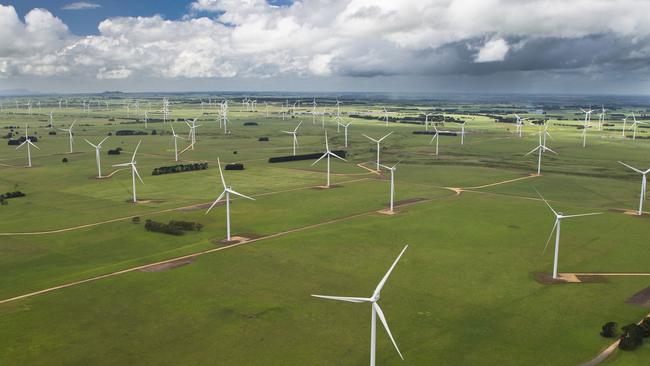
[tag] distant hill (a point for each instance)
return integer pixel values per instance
(17, 92)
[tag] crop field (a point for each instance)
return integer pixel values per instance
(82, 282)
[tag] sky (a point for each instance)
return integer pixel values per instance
(389, 46)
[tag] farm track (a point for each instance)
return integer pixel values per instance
(194, 206)
(208, 251)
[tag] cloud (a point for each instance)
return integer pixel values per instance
(356, 38)
(493, 50)
(80, 5)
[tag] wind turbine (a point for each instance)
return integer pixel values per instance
(426, 121)
(392, 183)
(69, 131)
(146, 119)
(634, 124)
(376, 310)
(327, 154)
(436, 137)
(385, 116)
(175, 137)
(462, 133)
(584, 130)
(541, 148)
(192, 135)
(345, 131)
(643, 185)
(520, 124)
(51, 120)
(556, 227)
(28, 142)
(97, 148)
(227, 190)
(134, 170)
(294, 133)
(378, 147)
(601, 118)
(313, 112)
(624, 125)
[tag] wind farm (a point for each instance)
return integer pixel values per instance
(452, 202)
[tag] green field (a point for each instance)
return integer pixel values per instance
(464, 293)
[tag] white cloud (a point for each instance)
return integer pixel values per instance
(80, 5)
(493, 50)
(250, 38)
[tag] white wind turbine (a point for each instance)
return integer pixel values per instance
(634, 124)
(345, 131)
(385, 116)
(294, 133)
(327, 154)
(462, 133)
(584, 130)
(376, 310)
(426, 121)
(392, 182)
(624, 126)
(51, 120)
(175, 137)
(436, 136)
(69, 131)
(134, 170)
(541, 148)
(29, 143)
(192, 136)
(643, 185)
(146, 119)
(313, 112)
(97, 148)
(227, 190)
(556, 227)
(378, 147)
(520, 124)
(601, 118)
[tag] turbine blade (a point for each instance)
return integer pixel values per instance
(550, 236)
(33, 144)
(123, 164)
(383, 280)
(390, 133)
(101, 142)
(383, 321)
(586, 214)
(239, 194)
(24, 142)
(533, 150)
(344, 298)
(631, 167)
(135, 151)
(368, 137)
(545, 201)
(223, 181)
(215, 202)
(336, 156)
(90, 143)
(319, 159)
(547, 149)
(135, 170)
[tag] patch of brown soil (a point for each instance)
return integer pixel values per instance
(641, 298)
(387, 212)
(547, 278)
(233, 240)
(145, 201)
(167, 265)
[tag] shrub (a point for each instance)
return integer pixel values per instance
(179, 168)
(263, 139)
(136, 220)
(129, 133)
(645, 325)
(153, 132)
(115, 151)
(280, 159)
(234, 166)
(250, 124)
(173, 227)
(631, 338)
(52, 133)
(64, 160)
(235, 152)
(14, 194)
(609, 330)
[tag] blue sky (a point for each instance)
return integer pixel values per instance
(536, 46)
